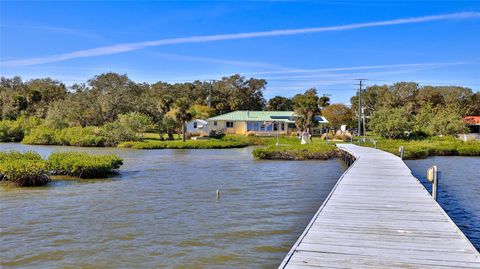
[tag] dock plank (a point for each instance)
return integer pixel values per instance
(380, 216)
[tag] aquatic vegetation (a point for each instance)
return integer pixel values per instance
(83, 165)
(30, 169)
(189, 144)
(435, 146)
(23, 169)
(291, 149)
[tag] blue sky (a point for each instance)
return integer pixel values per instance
(332, 42)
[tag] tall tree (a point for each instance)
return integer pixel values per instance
(337, 115)
(183, 114)
(280, 103)
(306, 108)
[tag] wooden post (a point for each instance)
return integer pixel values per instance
(401, 152)
(432, 176)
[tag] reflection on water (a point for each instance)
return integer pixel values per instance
(161, 211)
(458, 190)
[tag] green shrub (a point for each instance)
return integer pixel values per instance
(189, 144)
(42, 135)
(23, 169)
(435, 146)
(81, 137)
(83, 165)
(318, 151)
(391, 123)
(17, 155)
(15, 130)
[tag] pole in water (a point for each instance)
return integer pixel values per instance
(218, 195)
(401, 152)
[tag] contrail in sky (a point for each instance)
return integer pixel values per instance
(126, 47)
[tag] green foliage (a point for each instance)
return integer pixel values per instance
(80, 136)
(182, 114)
(189, 144)
(202, 112)
(15, 130)
(11, 131)
(83, 165)
(24, 173)
(391, 123)
(436, 146)
(306, 107)
(128, 127)
(446, 122)
(23, 169)
(42, 135)
(337, 115)
(17, 155)
(291, 149)
(29, 169)
(280, 103)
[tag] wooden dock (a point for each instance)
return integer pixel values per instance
(380, 216)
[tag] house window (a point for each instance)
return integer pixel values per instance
(214, 123)
(194, 125)
(229, 124)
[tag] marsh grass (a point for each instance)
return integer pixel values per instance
(434, 146)
(229, 141)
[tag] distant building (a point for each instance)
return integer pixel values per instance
(473, 123)
(258, 122)
(198, 127)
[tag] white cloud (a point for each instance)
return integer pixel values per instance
(126, 47)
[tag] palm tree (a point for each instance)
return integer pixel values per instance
(306, 107)
(183, 114)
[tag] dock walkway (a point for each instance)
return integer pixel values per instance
(380, 216)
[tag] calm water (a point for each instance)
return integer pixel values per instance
(161, 211)
(458, 190)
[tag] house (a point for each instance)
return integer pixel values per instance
(198, 127)
(473, 123)
(258, 122)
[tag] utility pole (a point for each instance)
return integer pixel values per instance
(209, 98)
(359, 130)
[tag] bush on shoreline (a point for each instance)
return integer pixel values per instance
(436, 146)
(189, 144)
(30, 169)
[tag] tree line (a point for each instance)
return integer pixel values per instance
(391, 110)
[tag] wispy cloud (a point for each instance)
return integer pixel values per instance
(356, 68)
(56, 30)
(126, 47)
(218, 61)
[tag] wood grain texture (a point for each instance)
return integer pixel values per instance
(380, 216)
